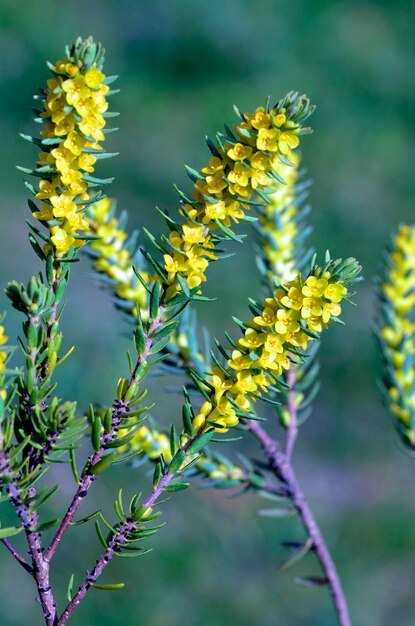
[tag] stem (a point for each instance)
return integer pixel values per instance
(113, 547)
(281, 465)
(86, 481)
(120, 409)
(30, 520)
(19, 558)
(119, 539)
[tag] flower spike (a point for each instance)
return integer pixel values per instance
(396, 332)
(72, 110)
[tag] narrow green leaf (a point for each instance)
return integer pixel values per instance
(109, 587)
(200, 442)
(155, 299)
(276, 512)
(176, 487)
(104, 463)
(177, 461)
(298, 555)
(100, 535)
(9, 532)
(47, 525)
(96, 433)
(85, 519)
(69, 590)
(139, 339)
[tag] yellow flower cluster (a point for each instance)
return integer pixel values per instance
(3, 355)
(152, 442)
(225, 187)
(3, 360)
(112, 257)
(215, 470)
(279, 228)
(284, 324)
(73, 112)
(398, 332)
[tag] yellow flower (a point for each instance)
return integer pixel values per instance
(252, 339)
(112, 256)
(200, 419)
(72, 111)
(61, 240)
(215, 211)
(215, 166)
(74, 142)
(62, 204)
(287, 322)
(335, 292)
(94, 78)
(287, 141)
(268, 317)
(314, 324)
(312, 307)
(240, 174)
(398, 330)
(75, 89)
(193, 234)
(330, 309)
(279, 120)
(215, 183)
(223, 193)
(239, 152)
(268, 139)
(239, 361)
(273, 343)
(315, 287)
(264, 351)
(293, 299)
(261, 119)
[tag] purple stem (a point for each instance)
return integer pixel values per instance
(30, 520)
(113, 546)
(85, 483)
(19, 558)
(281, 465)
(120, 408)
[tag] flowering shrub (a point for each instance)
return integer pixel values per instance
(252, 176)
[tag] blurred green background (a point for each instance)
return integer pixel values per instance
(182, 64)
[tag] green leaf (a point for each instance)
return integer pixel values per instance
(96, 433)
(47, 525)
(311, 581)
(100, 535)
(69, 590)
(73, 464)
(107, 421)
(104, 463)
(46, 497)
(155, 299)
(276, 512)
(139, 339)
(177, 461)
(109, 587)
(298, 555)
(174, 441)
(187, 418)
(176, 487)
(200, 442)
(85, 519)
(10, 531)
(157, 474)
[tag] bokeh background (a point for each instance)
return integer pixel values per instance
(182, 64)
